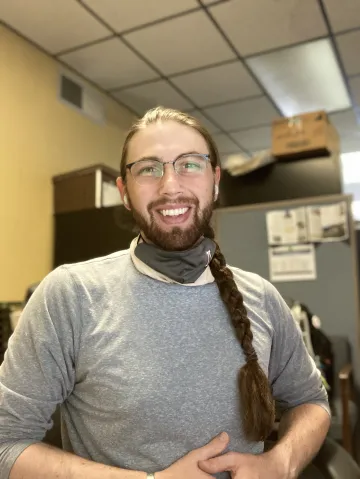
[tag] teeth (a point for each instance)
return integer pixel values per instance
(179, 211)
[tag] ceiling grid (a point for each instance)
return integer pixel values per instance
(226, 61)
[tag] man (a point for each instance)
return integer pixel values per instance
(154, 351)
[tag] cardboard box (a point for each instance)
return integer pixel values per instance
(310, 135)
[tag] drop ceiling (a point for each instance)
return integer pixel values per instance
(235, 64)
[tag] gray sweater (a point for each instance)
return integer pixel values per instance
(144, 371)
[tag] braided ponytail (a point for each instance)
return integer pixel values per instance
(258, 408)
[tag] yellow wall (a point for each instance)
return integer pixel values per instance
(40, 137)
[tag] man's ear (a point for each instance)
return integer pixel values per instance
(217, 175)
(123, 193)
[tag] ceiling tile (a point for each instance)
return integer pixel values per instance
(110, 64)
(204, 121)
(254, 139)
(255, 27)
(355, 88)
(344, 121)
(218, 84)
(315, 84)
(225, 144)
(343, 14)
(125, 14)
(350, 144)
(55, 26)
(243, 114)
(349, 130)
(349, 50)
(143, 97)
(180, 44)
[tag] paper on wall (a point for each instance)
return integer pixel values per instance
(328, 223)
(287, 226)
(292, 263)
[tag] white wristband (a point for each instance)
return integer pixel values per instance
(150, 476)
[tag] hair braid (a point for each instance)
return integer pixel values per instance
(258, 407)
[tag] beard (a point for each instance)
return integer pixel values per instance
(176, 238)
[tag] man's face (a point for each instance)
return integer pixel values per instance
(153, 205)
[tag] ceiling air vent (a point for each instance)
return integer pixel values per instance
(81, 97)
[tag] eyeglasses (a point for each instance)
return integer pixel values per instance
(149, 171)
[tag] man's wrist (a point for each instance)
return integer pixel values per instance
(279, 459)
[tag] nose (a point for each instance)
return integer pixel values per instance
(169, 183)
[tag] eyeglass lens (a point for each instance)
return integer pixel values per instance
(147, 171)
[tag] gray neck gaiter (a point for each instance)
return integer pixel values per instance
(181, 266)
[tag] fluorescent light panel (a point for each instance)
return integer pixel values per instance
(303, 78)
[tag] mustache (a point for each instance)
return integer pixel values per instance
(167, 201)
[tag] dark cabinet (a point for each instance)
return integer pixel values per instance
(282, 181)
(89, 219)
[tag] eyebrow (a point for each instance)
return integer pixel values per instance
(144, 158)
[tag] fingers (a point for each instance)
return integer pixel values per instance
(223, 463)
(214, 447)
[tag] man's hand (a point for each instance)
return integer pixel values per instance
(188, 466)
(246, 466)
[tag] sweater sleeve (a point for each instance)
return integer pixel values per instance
(38, 371)
(293, 375)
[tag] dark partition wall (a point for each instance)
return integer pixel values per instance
(333, 296)
(82, 235)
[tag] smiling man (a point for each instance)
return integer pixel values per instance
(154, 351)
